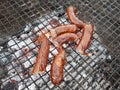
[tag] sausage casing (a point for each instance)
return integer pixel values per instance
(57, 68)
(67, 28)
(71, 12)
(86, 38)
(42, 58)
(65, 38)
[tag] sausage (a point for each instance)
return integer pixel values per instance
(64, 38)
(57, 68)
(71, 12)
(87, 33)
(79, 34)
(42, 58)
(67, 28)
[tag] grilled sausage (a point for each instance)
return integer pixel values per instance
(57, 68)
(42, 58)
(67, 28)
(87, 33)
(64, 38)
(71, 12)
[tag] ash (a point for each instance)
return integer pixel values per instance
(81, 73)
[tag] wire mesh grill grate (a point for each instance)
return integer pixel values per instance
(99, 72)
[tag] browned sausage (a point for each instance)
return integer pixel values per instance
(67, 28)
(64, 38)
(71, 12)
(42, 58)
(87, 33)
(57, 68)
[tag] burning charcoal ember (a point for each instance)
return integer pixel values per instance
(28, 41)
(27, 64)
(17, 54)
(32, 46)
(41, 26)
(18, 68)
(21, 86)
(11, 86)
(11, 42)
(32, 87)
(27, 27)
(65, 45)
(54, 52)
(32, 59)
(54, 22)
(26, 52)
(39, 31)
(50, 55)
(48, 27)
(35, 52)
(29, 61)
(5, 58)
(45, 23)
(24, 70)
(34, 39)
(14, 81)
(69, 58)
(69, 50)
(74, 54)
(48, 68)
(62, 20)
(21, 44)
(23, 36)
(52, 47)
(36, 30)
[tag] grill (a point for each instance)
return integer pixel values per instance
(21, 21)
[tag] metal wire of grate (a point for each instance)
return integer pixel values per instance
(30, 17)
